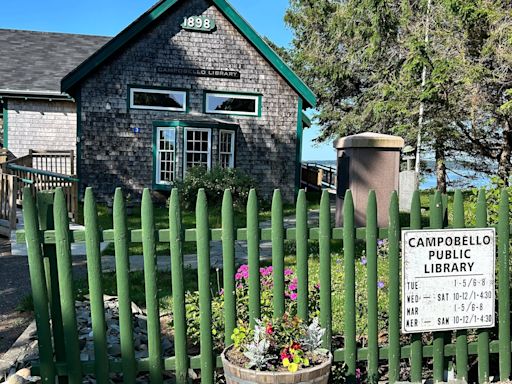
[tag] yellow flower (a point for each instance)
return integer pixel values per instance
(293, 367)
(286, 362)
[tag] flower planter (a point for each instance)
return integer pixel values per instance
(234, 374)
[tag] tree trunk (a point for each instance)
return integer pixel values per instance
(505, 154)
(441, 169)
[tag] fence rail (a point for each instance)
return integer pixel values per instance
(395, 352)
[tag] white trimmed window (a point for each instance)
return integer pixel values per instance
(226, 149)
(166, 155)
(158, 99)
(197, 148)
(233, 104)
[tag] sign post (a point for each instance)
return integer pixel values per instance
(448, 279)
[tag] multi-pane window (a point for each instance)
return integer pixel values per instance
(166, 155)
(197, 147)
(159, 99)
(227, 149)
(233, 104)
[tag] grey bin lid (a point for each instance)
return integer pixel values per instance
(370, 140)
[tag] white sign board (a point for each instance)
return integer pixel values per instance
(448, 279)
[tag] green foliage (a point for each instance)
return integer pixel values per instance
(215, 182)
(493, 198)
(374, 64)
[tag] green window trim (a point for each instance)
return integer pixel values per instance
(256, 96)
(157, 89)
(157, 185)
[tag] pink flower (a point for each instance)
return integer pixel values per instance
(295, 281)
(292, 287)
(266, 271)
(238, 276)
(239, 286)
(221, 292)
(293, 296)
(288, 272)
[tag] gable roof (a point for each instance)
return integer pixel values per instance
(151, 16)
(33, 63)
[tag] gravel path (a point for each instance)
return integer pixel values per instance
(14, 286)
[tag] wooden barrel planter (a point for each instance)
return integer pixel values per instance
(234, 374)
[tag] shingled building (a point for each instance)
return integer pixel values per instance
(36, 114)
(189, 83)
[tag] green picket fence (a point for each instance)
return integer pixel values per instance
(53, 291)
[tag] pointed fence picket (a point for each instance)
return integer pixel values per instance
(54, 301)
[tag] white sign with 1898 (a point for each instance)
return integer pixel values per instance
(448, 279)
(198, 23)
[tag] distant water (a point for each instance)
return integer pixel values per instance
(458, 178)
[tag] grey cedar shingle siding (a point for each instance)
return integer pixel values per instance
(37, 61)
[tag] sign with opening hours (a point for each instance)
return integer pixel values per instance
(448, 279)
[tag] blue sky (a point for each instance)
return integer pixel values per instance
(108, 17)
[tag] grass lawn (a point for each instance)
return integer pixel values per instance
(161, 214)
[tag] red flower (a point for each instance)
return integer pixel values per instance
(296, 346)
(269, 329)
(285, 354)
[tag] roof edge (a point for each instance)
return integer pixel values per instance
(28, 94)
(71, 80)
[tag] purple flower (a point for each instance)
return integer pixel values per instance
(288, 272)
(293, 296)
(380, 242)
(364, 260)
(221, 292)
(380, 284)
(358, 373)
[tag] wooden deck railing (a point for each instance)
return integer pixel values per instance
(46, 171)
(39, 181)
(318, 176)
(8, 192)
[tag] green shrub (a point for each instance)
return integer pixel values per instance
(493, 198)
(215, 182)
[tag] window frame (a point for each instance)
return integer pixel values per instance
(158, 164)
(162, 91)
(233, 142)
(249, 96)
(186, 151)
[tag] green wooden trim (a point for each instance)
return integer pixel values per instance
(71, 81)
(156, 125)
(156, 87)
(33, 171)
(306, 121)
(233, 93)
(78, 161)
(5, 113)
(298, 144)
(196, 124)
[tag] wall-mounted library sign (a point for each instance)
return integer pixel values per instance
(200, 72)
(198, 23)
(448, 279)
